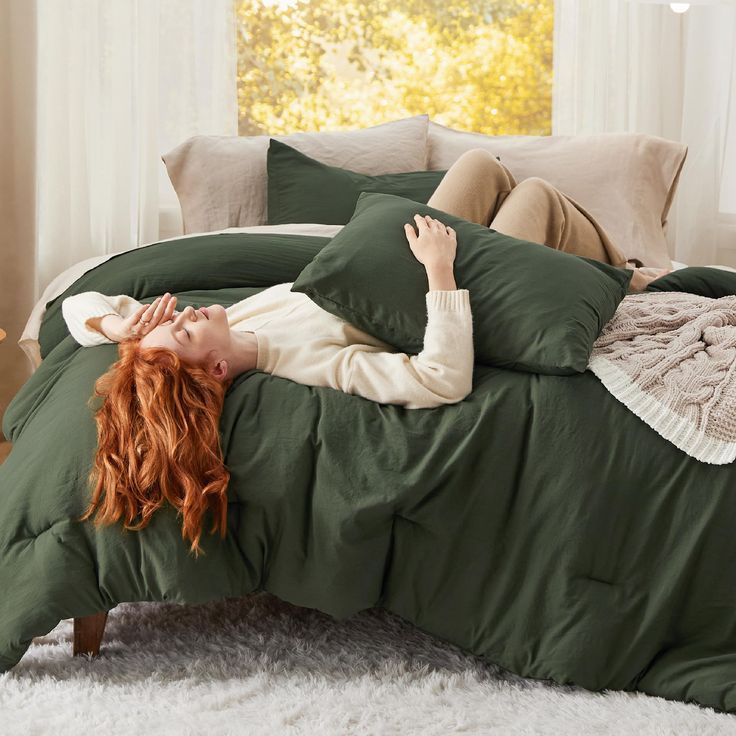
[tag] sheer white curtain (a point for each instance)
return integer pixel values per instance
(629, 67)
(119, 82)
(92, 92)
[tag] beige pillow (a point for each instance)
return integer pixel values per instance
(625, 180)
(221, 181)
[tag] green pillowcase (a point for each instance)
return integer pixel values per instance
(534, 308)
(301, 189)
(702, 280)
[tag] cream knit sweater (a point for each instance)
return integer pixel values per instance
(299, 340)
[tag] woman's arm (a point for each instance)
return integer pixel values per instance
(95, 319)
(441, 277)
(443, 372)
(106, 325)
(84, 313)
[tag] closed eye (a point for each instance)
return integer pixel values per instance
(175, 332)
(171, 321)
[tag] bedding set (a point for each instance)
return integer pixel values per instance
(539, 523)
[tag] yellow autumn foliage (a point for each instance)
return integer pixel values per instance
(309, 65)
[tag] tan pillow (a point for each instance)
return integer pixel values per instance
(627, 181)
(221, 181)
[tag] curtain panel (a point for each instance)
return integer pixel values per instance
(93, 92)
(119, 83)
(632, 67)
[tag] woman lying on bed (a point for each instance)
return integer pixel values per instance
(158, 424)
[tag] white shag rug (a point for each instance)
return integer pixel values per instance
(257, 665)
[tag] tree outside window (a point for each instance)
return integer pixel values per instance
(310, 65)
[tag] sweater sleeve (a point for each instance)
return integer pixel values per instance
(442, 373)
(79, 308)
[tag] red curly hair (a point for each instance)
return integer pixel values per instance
(158, 440)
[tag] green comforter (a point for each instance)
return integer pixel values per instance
(538, 523)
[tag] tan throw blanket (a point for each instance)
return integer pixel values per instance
(670, 357)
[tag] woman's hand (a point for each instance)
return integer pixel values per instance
(644, 276)
(435, 245)
(435, 248)
(140, 322)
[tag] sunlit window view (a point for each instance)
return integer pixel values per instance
(310, 65)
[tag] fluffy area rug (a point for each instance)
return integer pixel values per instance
(257, 665)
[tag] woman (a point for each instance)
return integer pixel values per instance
(158, 425)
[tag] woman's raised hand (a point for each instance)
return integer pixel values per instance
(145, 318)
(434, 245)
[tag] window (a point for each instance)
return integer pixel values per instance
(337, 64)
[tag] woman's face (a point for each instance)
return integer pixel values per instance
(194, 335)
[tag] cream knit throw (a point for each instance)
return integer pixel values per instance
(670, 357)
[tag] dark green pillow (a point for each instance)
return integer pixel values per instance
(301, 189)
(534, 308)
(702, 280)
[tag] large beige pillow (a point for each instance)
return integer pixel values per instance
(221, 181)
(627, 181)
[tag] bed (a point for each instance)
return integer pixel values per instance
(538, 523)
(482, 523)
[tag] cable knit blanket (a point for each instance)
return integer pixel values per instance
(670, 357)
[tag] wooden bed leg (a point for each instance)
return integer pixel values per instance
(88, 631)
